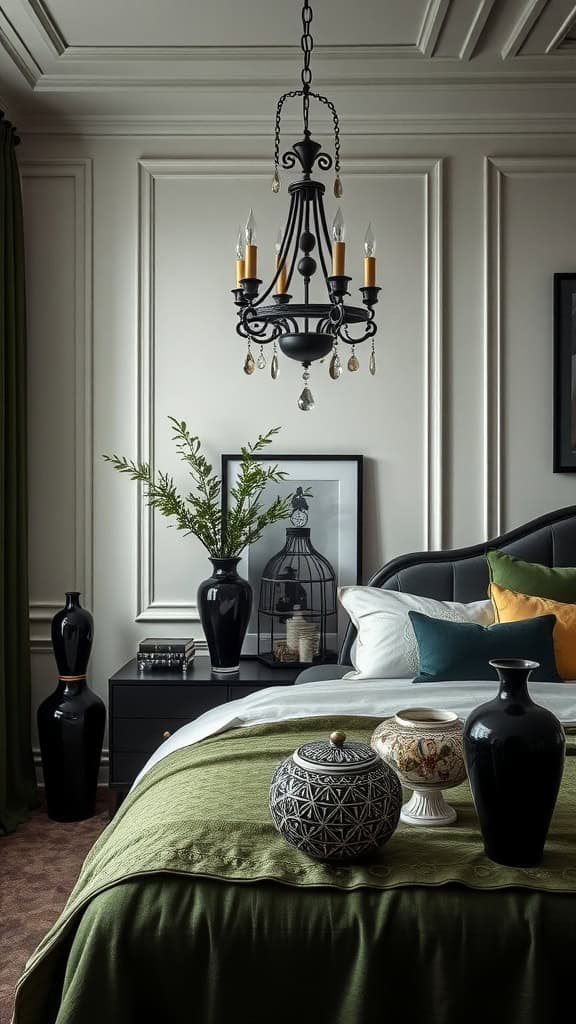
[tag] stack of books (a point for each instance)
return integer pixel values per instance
(166, 653)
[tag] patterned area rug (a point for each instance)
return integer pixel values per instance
(39, 864)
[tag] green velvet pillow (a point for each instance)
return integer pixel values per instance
(531, 577)
(462, 650)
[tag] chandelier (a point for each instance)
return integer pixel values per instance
(305, 330)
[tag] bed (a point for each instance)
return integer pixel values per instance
(190, 907)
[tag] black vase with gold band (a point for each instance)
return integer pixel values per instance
(71, 720)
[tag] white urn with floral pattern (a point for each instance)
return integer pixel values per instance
(425, 747)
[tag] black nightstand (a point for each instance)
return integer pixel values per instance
(146, 707)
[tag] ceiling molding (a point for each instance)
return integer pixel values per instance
(408, 78)
(523, 28)
(483, 11)
(354, 51)
(431, 26)
(47, 25)
(144, 126)
(559, 43)
(12, 42)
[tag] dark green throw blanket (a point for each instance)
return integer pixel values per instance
(199, 820)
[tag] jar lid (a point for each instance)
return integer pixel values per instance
(336, 755)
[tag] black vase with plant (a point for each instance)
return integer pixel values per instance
(224, 599)
(71, 720)
(514, 751)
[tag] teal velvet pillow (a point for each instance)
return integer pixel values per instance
(462, 650)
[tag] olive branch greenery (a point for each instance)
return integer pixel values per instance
(223, 534)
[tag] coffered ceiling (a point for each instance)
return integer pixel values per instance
(74, 58)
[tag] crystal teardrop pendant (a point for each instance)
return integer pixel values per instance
(338, 190)
(261, 361)
(372, 363)
(274, 368)
(353, 364)
(276, 181)
(335, 368)
(306, 400)
(249, 364)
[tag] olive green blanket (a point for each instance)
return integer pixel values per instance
(203, 812)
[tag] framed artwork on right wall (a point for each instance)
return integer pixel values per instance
(565, 373)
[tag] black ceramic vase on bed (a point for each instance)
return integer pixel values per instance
(71, 720)
(514, 751)
(224, 604)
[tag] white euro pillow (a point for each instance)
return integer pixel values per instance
(385, 646)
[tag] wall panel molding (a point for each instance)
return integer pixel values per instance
(80, 173)
(150, 172)
(496, 170)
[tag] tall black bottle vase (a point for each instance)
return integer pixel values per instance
(224, 603)
(71, 720)
(514, 751)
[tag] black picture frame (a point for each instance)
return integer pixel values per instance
(346, 471)
(564, 458)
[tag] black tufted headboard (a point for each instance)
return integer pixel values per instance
(462, 574)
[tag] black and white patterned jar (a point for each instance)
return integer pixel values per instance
(335, 800)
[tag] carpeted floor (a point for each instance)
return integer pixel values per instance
(39, 864)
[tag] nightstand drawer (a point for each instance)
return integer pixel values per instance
(235, 692)
(164, 701)
(125, 768)
(143, 734)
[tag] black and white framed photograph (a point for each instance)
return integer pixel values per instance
(564, 373)
(298, 564)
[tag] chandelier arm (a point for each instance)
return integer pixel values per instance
(316, 203)
(253, 327)
(284, 250)
(325, 227)
(344, 333)
(300, 207)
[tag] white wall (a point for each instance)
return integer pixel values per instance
(130, 262)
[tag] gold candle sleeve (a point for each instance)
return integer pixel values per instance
(369, 271)
(250, 260)
(281, 279)
(240, 272)
(338, 253)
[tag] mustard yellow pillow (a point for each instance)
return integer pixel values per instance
(510, 607)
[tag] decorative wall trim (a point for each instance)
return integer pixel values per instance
(47, 24)
(174, 126)
(474, 33)
(496, 169)
(434, 357)
(19, 54)
(492, 349)
(166, 54)
(523, 28)
(434, 17)
(558, 43)
(430, 169)
(80, 171)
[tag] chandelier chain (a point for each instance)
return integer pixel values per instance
(307, 44)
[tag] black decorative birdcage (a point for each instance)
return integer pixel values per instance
(297, 612)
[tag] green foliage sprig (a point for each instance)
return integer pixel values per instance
(224, 535)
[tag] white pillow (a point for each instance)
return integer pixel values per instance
(386, 647)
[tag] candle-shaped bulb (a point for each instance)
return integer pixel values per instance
(240, 245)
(278, 242)
(338, 227)
(250, 230)
(369, 242)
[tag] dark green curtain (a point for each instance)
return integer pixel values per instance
(17, 781)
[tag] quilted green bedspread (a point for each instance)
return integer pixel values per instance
(159, 928)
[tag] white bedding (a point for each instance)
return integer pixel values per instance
(369, 697)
